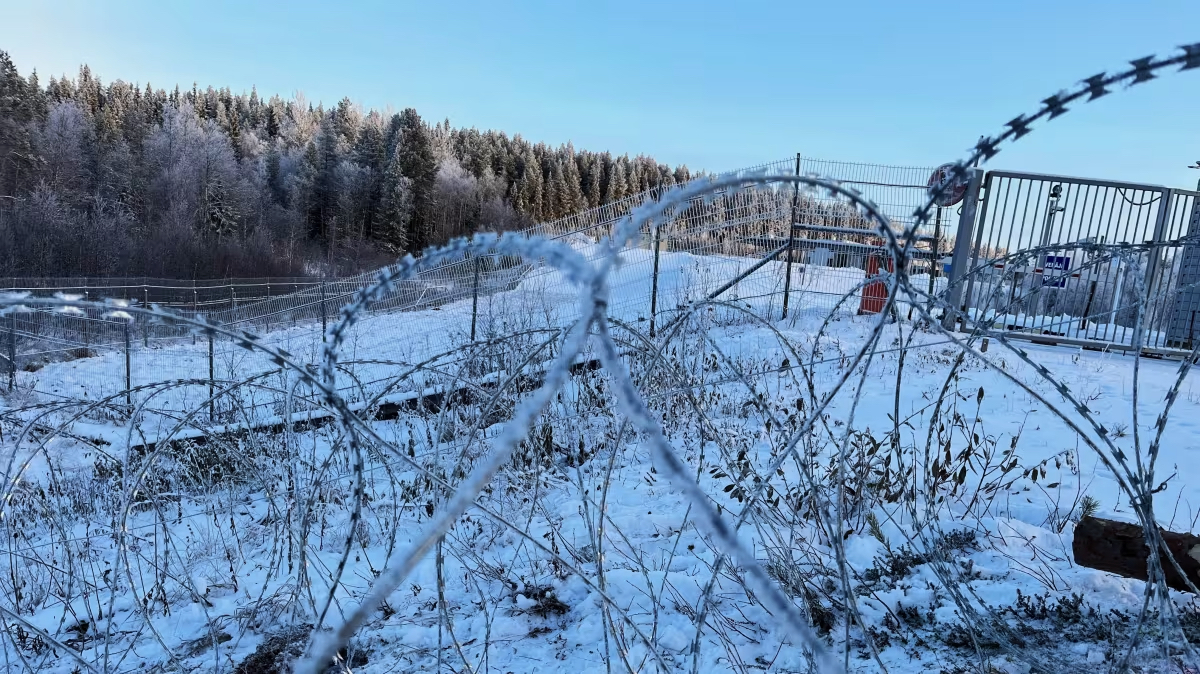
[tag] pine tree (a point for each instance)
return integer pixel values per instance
(16, 151)
(347, 120)
(325, 187)
(272, 126)
(370, 153)
(254, 108)
(558, 194)
(219, 218)
(227, 119)
(573, 200)
(275, 178)
(304, 190)
(322, 175)
(618, 185)
(592, 191)
(395, 205)
(34, 97)
(88, 91)
(529, 185)
(418, 164)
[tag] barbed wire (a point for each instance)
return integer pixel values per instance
(356, 440)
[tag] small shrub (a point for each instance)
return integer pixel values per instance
(545, 602)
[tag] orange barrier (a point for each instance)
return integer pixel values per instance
(874, 295)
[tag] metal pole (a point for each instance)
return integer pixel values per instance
(128, 372)
(1156, 255)
(962, 250)
(85, 324)
(656, 242)
(12, 351)
(475, 299)
(937, 249)
(146, 322)
(787, 277)
(195, 305)
(324, 320)
(211, 383)
(969, 292)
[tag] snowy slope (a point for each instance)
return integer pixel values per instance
(202, 571)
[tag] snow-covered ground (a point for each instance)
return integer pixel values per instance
(392, 340)
(201, 557)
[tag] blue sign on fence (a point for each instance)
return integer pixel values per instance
(1055, 271)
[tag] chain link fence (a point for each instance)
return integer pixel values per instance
(784, 248)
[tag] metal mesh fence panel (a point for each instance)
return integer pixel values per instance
(705, 245)
(1038, 269)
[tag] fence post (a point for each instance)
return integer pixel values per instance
(128, 372)
(211, 383)
(85, 323)
(12, 350)
(232, 298)
(195, 308)
(937, 250)
(787, 278)
(1156, 259)
(962, 250)
(657, 243)
(475, 299)
(324, 319)
(145, 321)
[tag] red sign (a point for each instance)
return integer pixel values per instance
(953, 191)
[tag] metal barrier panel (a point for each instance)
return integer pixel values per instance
(835, 245)
(1176, 291)
(1033, 269)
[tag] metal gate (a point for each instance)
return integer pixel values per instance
(1030, 267)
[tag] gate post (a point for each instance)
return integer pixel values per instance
(962, 251)
(1181, 316)
(1156, 257)
(787, 279)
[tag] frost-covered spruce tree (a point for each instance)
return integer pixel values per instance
(418, 164)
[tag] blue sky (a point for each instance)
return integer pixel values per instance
(713, 85)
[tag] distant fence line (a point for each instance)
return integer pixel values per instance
(743, 224)
(816, 231)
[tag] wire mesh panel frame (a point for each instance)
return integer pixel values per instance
(1063, 288)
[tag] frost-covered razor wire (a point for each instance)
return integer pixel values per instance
(286, 512)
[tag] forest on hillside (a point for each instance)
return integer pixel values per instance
(122, 179)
